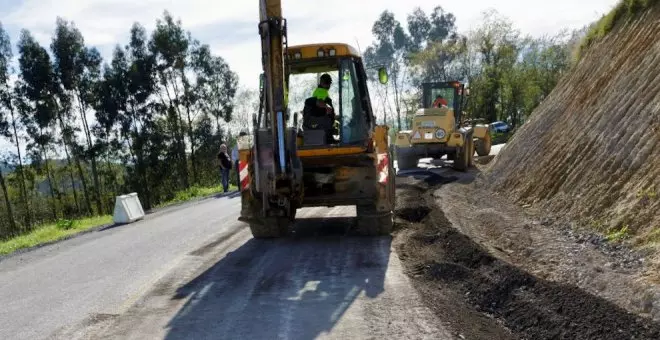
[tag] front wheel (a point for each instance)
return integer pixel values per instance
(483, 145)
(272, 227)
(370, 222)
(405, 158)
(465, 155)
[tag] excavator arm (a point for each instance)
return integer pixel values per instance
(272, 28)
(277, 165)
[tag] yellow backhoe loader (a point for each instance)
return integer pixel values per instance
(336, 156)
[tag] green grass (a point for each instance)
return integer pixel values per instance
(63, 228)
(52, 232)
(194, 192)
(616, 235)
(624, 10)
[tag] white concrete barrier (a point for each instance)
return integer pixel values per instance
(127, 209)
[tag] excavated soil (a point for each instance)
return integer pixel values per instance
(485, 283)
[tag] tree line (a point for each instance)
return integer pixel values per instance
(150, 120)
(508, 73)
(84, 130)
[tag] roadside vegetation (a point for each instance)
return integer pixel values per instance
(509, 73)
(80, 130)
(625, 10)
(64, 228)
(52, 232)
(150, 118)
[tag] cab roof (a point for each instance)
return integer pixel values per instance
(309, 51)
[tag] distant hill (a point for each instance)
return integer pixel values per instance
(6, 168)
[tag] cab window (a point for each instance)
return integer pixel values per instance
(350, 115)
(352, 118)
(446, 93)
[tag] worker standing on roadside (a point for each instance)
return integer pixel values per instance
(234, 158)
(225, 166)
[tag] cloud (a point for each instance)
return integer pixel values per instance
(230, 27)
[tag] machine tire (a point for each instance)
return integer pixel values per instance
(471, 154)
(391, 181)
(273, 227)
(483, 145)
(405, 159)
(462, 161)
(372, 223)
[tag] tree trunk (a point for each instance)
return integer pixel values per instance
(21, 173)
(138, 159)
(66, 143)
(181, 145)
(84, 184)
(73, 180)
(111, 173)
(191, 136)
(51, 185)
(95, 173)
(12, 222)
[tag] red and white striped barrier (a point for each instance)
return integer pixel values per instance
(383, 167)
(243, 174)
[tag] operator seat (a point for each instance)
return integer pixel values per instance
(317, 125)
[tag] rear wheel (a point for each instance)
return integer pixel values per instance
(405, 158)
(272, 227)
(483, 145)
(370, 222)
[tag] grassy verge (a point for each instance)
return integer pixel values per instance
(624, 10)
(194, 192)
(52, 232)
(65, 228)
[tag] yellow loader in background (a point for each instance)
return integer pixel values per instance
(438, 129)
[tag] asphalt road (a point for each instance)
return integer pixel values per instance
(195, 272)
(100, 272)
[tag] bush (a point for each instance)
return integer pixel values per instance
(64, 224)
(624, 10)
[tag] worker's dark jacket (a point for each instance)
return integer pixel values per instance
(315, 117)
(224, 160)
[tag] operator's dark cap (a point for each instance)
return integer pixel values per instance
(325, 78)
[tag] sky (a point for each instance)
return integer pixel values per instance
(230, 27)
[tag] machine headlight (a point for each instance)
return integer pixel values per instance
(297, 55)
(440, 134)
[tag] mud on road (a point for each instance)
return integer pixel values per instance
(482, 295)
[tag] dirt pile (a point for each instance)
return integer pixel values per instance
(488, 298)
(591, 151)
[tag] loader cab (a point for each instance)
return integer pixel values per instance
(453, 92)
(353, 116)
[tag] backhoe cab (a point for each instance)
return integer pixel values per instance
(438, 129)
(302, 157)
